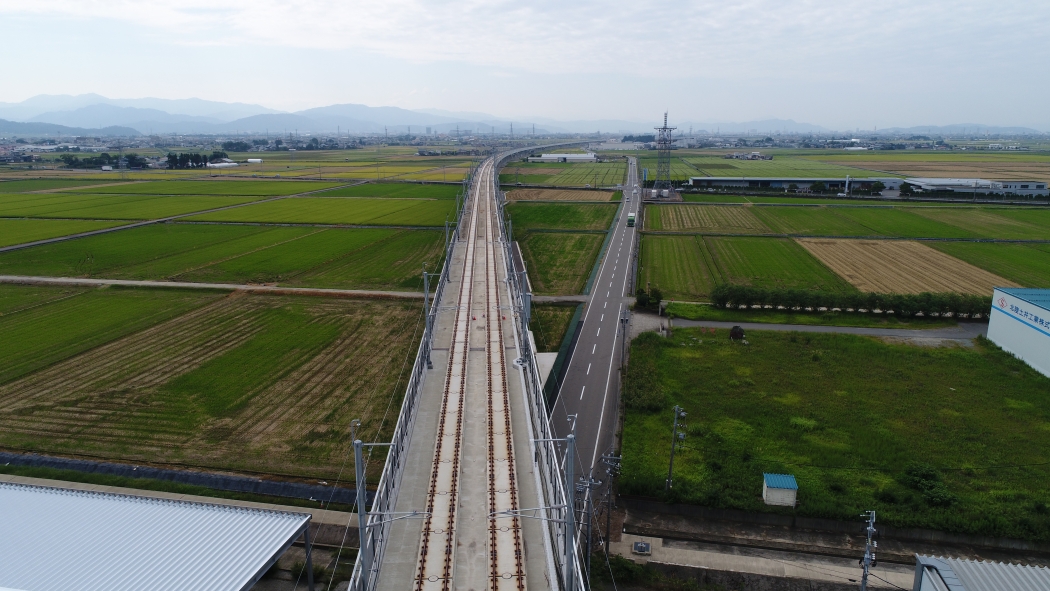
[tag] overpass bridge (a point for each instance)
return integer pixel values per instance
(472, 495)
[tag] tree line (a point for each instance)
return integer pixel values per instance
(193, 160)
(103, 159)
(801, 300)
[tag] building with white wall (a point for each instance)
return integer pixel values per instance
(1020, 324)
(779, 489)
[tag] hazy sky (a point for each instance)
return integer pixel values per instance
(838, 63)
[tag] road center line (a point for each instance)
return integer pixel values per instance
(588, 369)
(584, 389)
(593, 348)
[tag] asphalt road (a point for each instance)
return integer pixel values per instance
(589, 396)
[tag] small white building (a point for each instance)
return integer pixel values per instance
(779, 489)
(1020, 324)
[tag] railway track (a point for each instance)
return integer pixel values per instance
(435, 569)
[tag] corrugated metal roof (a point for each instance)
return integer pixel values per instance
(58, 539)
(973, 575)
(780, 481)
(1036, 297)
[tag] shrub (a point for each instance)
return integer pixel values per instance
(733, 296)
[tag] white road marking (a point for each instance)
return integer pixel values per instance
(588, 369)
(606, 305)
(593, 348)
(582, 391)
(603, 318)
(599, 331)
(606, 294)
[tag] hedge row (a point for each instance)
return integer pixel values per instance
(905, 305)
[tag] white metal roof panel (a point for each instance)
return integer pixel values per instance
(58, 539)
(972, 575)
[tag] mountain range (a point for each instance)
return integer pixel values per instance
(93, 114)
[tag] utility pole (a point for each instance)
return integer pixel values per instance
(570, 513)
(585, 489)
(677, 437)
(869, 561)
(613, 471)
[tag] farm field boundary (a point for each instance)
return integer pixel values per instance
(256, 289)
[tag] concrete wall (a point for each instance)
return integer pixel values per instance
(1022, 329)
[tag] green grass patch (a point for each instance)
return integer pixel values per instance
(219, 187)
(1026, 264)
(397, 190)
(951, 439)
(110, 207)
(363, 211)
(22, 231)
(549, 323)
(527, 216)
(392, 263)
(779, 167)
(559, 263)
(769, 316)
(37, 337)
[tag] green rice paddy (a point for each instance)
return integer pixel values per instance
(20, 231)
(362, 211)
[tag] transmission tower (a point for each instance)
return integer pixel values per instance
(663, 156)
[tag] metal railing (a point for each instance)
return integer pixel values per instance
(375, 531)
(547, 455)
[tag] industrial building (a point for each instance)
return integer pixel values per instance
(1020, 324)
(582, 157)
(980, 186)
(56, 538)
(953, 574)
(802, 184)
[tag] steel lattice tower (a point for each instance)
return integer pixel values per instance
(663, 156)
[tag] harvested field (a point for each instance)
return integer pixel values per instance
(257, 383)
(890, 266)
(704, 218)
(558, 195)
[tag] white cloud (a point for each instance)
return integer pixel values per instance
(666, 39)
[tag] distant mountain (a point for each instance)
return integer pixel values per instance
(50, 129)
(192, 107)
(103, 115)
(761, 126)
(959, 129)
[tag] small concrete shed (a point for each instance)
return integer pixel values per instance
(779, 489)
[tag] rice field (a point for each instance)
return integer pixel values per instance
(396, 190)
(578, 174)
(216, 187)
(993, 223)
(820, 221)
(1027, 265)
(688, 267)
(20, 231)
(713, 218)
(360, 211)
(109, 207)
(294, 256)
(23, 186)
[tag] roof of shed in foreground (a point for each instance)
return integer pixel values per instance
(59, 539)
(937, 574)
(1035, 296)
(780, 481)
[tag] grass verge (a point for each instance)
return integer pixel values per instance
(703, 312)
